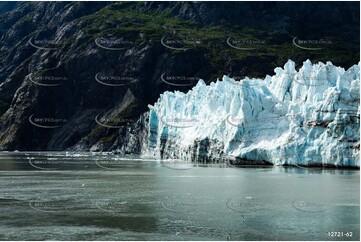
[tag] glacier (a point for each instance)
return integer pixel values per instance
(309, 117)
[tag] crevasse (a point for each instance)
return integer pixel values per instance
(306, 117)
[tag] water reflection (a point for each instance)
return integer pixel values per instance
(140, 197)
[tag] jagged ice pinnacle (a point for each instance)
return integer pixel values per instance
(306, 117)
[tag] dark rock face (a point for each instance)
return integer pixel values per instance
(7, 6)
(302, 19)
(62, 90)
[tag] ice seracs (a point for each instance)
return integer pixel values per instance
(306, 117)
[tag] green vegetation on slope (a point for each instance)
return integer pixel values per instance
(128, 21)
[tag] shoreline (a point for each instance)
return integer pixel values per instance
(166, 162)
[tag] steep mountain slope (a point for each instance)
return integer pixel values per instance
(79, 75)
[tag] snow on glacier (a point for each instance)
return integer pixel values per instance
(304, 117)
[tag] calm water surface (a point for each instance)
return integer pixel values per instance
(55, 196)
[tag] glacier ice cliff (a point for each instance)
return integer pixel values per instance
(308, 117)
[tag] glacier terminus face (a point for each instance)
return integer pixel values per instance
(309, 117)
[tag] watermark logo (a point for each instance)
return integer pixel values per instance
(180, 42)
(252, 123)
(309, 80)
(47, 81)
(45, 44)
(238, 162)
(180, 204)
(113, 164)
(114, 81)
(308, 206)
(179, 81)
(245, 205)
(48, 206)
(306, 44)
(113, 205)
(46, 164)
(178, 122)
(310, 165)
(176, 164)
(47, 122)
(244, 80)
(111, 122)
(114, 44)
(244, 44)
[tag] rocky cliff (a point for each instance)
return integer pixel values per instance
(80, 75)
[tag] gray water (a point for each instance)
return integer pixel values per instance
(106, 197)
